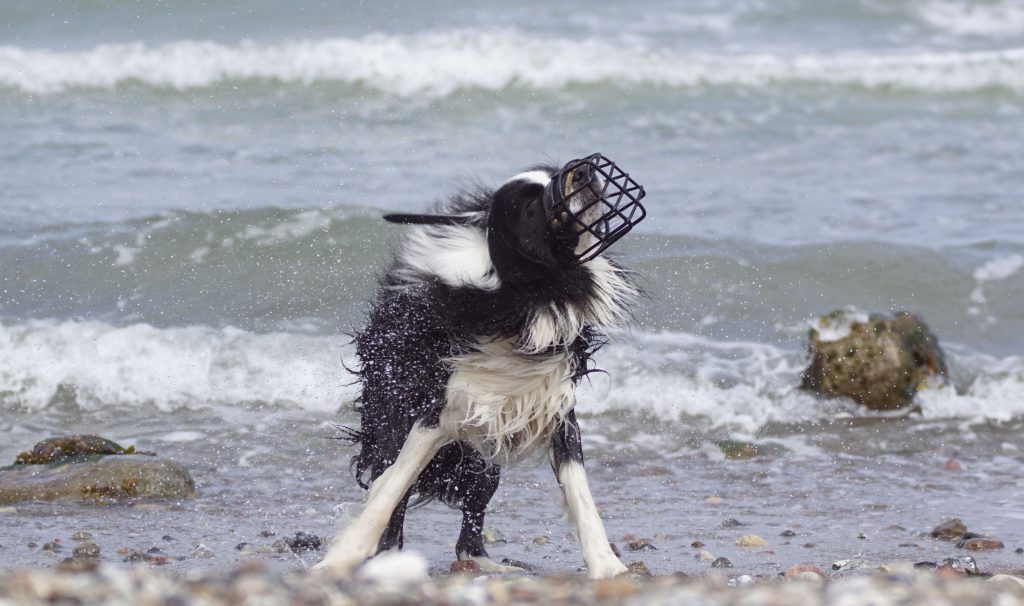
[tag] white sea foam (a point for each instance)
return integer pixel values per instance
(440, 63)
(967, 18)
(169, 368)
(999, 269)
(674, 377)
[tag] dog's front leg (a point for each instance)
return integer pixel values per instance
(359, 540)
(566, 455)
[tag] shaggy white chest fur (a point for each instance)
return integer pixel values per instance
(506, 403)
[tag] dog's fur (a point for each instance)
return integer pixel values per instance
(475, 343)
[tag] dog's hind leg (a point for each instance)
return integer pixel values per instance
(470, 545)
(566, 454)
(361, 538)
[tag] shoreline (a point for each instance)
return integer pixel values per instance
(403, 579)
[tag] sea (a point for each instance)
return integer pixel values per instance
(191, 196)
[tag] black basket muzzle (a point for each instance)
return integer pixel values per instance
(595, 202)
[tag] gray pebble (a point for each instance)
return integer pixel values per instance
(86, 550)
(721, 563)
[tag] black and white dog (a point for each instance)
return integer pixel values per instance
(481, 329)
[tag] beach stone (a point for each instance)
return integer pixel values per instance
(62, 449)
(721, 563)
(616, 588)
(966, 564)
(751, 540)
(696, 544)
(804, 572)
(981, 545)
(1007, 579)
(705, 556)
(304, 542)
(492, 536)
(640, 545)
(950, 530)
(541, 540)
(86, 550)
(107, 478)
(735, 450)
(787, 533)
(81, 536)
(877, 360)
(637, 567)
(1019, 550)
(732, 523)
(465, 567)
(53, 546)
(78, 564)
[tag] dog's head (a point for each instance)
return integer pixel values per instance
(548, 220)
(551, 218)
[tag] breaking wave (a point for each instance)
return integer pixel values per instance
(669, 376)
(436, 65)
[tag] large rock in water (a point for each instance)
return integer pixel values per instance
(91, 468)
(877, 360)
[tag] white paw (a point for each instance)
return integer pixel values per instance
(605, 567)
(340, 562)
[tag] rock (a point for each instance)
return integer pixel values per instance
(804, 572)
(86, 550)
(541, 540)
(852, 564)
(56, 450)
(964, 564)
(168, 538)
(735, 450)
(53, 546)
(704, 556)
(751, 540)
(78, 564)
(615, 588)
(981, 545)
(304, 542)
(1008, 580)
(640, 545)
(109, 478)
(878, 361)
(787, 533)
(492, 536)
(638, 568)
(950, 530)
(741, 580)
(81, 536)
(721, 563)
(696, 544)
(266, 534)
(1019, 550)
(528, 567)
(714, 500)
(465, 567)
(732, 523)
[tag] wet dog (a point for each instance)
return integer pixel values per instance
(482, 327)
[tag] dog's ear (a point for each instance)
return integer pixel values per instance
(518, 238)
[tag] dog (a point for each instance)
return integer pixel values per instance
(481, 329)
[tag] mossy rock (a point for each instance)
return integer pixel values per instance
(879, 361)
(69, 448)
(110, 478)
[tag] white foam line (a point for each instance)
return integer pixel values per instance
(440, 63)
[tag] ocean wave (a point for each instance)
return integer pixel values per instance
(674, 377)
(439, 64)
(975, 19)
(43, 363)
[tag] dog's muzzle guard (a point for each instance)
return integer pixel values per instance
(591, 195)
